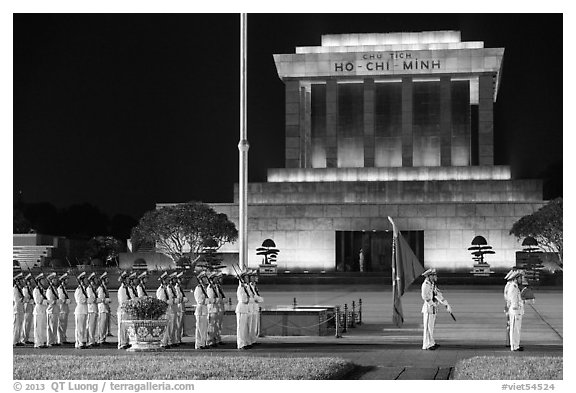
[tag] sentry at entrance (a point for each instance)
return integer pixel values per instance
(376, 248)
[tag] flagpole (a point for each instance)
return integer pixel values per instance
(243, 147)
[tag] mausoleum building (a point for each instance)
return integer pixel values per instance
(379, 125)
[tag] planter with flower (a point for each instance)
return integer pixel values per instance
(145, 323)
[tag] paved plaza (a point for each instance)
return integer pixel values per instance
(384, 351)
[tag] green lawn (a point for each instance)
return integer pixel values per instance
(163, 366)
(509, 367)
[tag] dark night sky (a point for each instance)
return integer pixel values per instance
(123, 111)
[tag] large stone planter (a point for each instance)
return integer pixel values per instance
(145, 335)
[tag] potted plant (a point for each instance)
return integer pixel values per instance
(145, 324)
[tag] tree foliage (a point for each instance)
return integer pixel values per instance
(188, 226)
(20, 223)
(105, 248)
(544, 225)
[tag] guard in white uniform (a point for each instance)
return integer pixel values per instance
(243, 312)
(141, 288)
(507, 305)
(52, 310)
(221, 303)
(213, 306)
(258, 300)
(81, 312)
(124, 294)
(28, 292)
(432, 298)
(92, 302)
(181, 301)
(40, 319)
(18, 306)
(201, 312)
(64, 309)
(515, 308)
(164, 293)
(103, 300)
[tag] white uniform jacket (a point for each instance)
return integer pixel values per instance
(202, 300)
(81, 298)
(123, 297)
(213, 305)
(243, 297)
(432, 297)
(53, 301)
(18, 301)
(92, 300)
(141, 291)
(40, 302)
(507, 295)
(164, 293)
(28, 299)
(257, 298)
(182, 300)
(103, 299)
(516, 302)
(64, 300)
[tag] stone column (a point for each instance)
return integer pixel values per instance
(331, 123)
(306, 142)
(369, 144)
(407, 138)
(445, 122)
(486, 120)
(293, 108)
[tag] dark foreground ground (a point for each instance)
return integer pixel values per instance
(383, 351)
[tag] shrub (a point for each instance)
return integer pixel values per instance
(145, 308)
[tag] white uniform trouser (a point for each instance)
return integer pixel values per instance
(27, 326)
(80, 330)
(62, 326)
(122, 336)
(92, 325)
(515, 328)
(255, 326)
(178, 328)
(18, 325)
(429, 319)
(52, 328)
(219, 321)
(103, 319)
(242, 329)
(168, 338)
(212, 327)
(40, 322)
(201, 338)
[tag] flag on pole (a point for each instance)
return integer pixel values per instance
(405, 269)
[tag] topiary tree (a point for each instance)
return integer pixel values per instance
(187, 226)
(544, 225)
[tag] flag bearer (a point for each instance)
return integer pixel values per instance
(28, 293)
(64, 309)
(243, 313)
(103, 309)
(52, 310)
(40, 318)
(164, 293)
(124, 294)
(81, 312)
(18, 306)
(432, 298)
(201, 312)
(258, 300)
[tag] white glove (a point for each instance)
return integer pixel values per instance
(448, 308)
